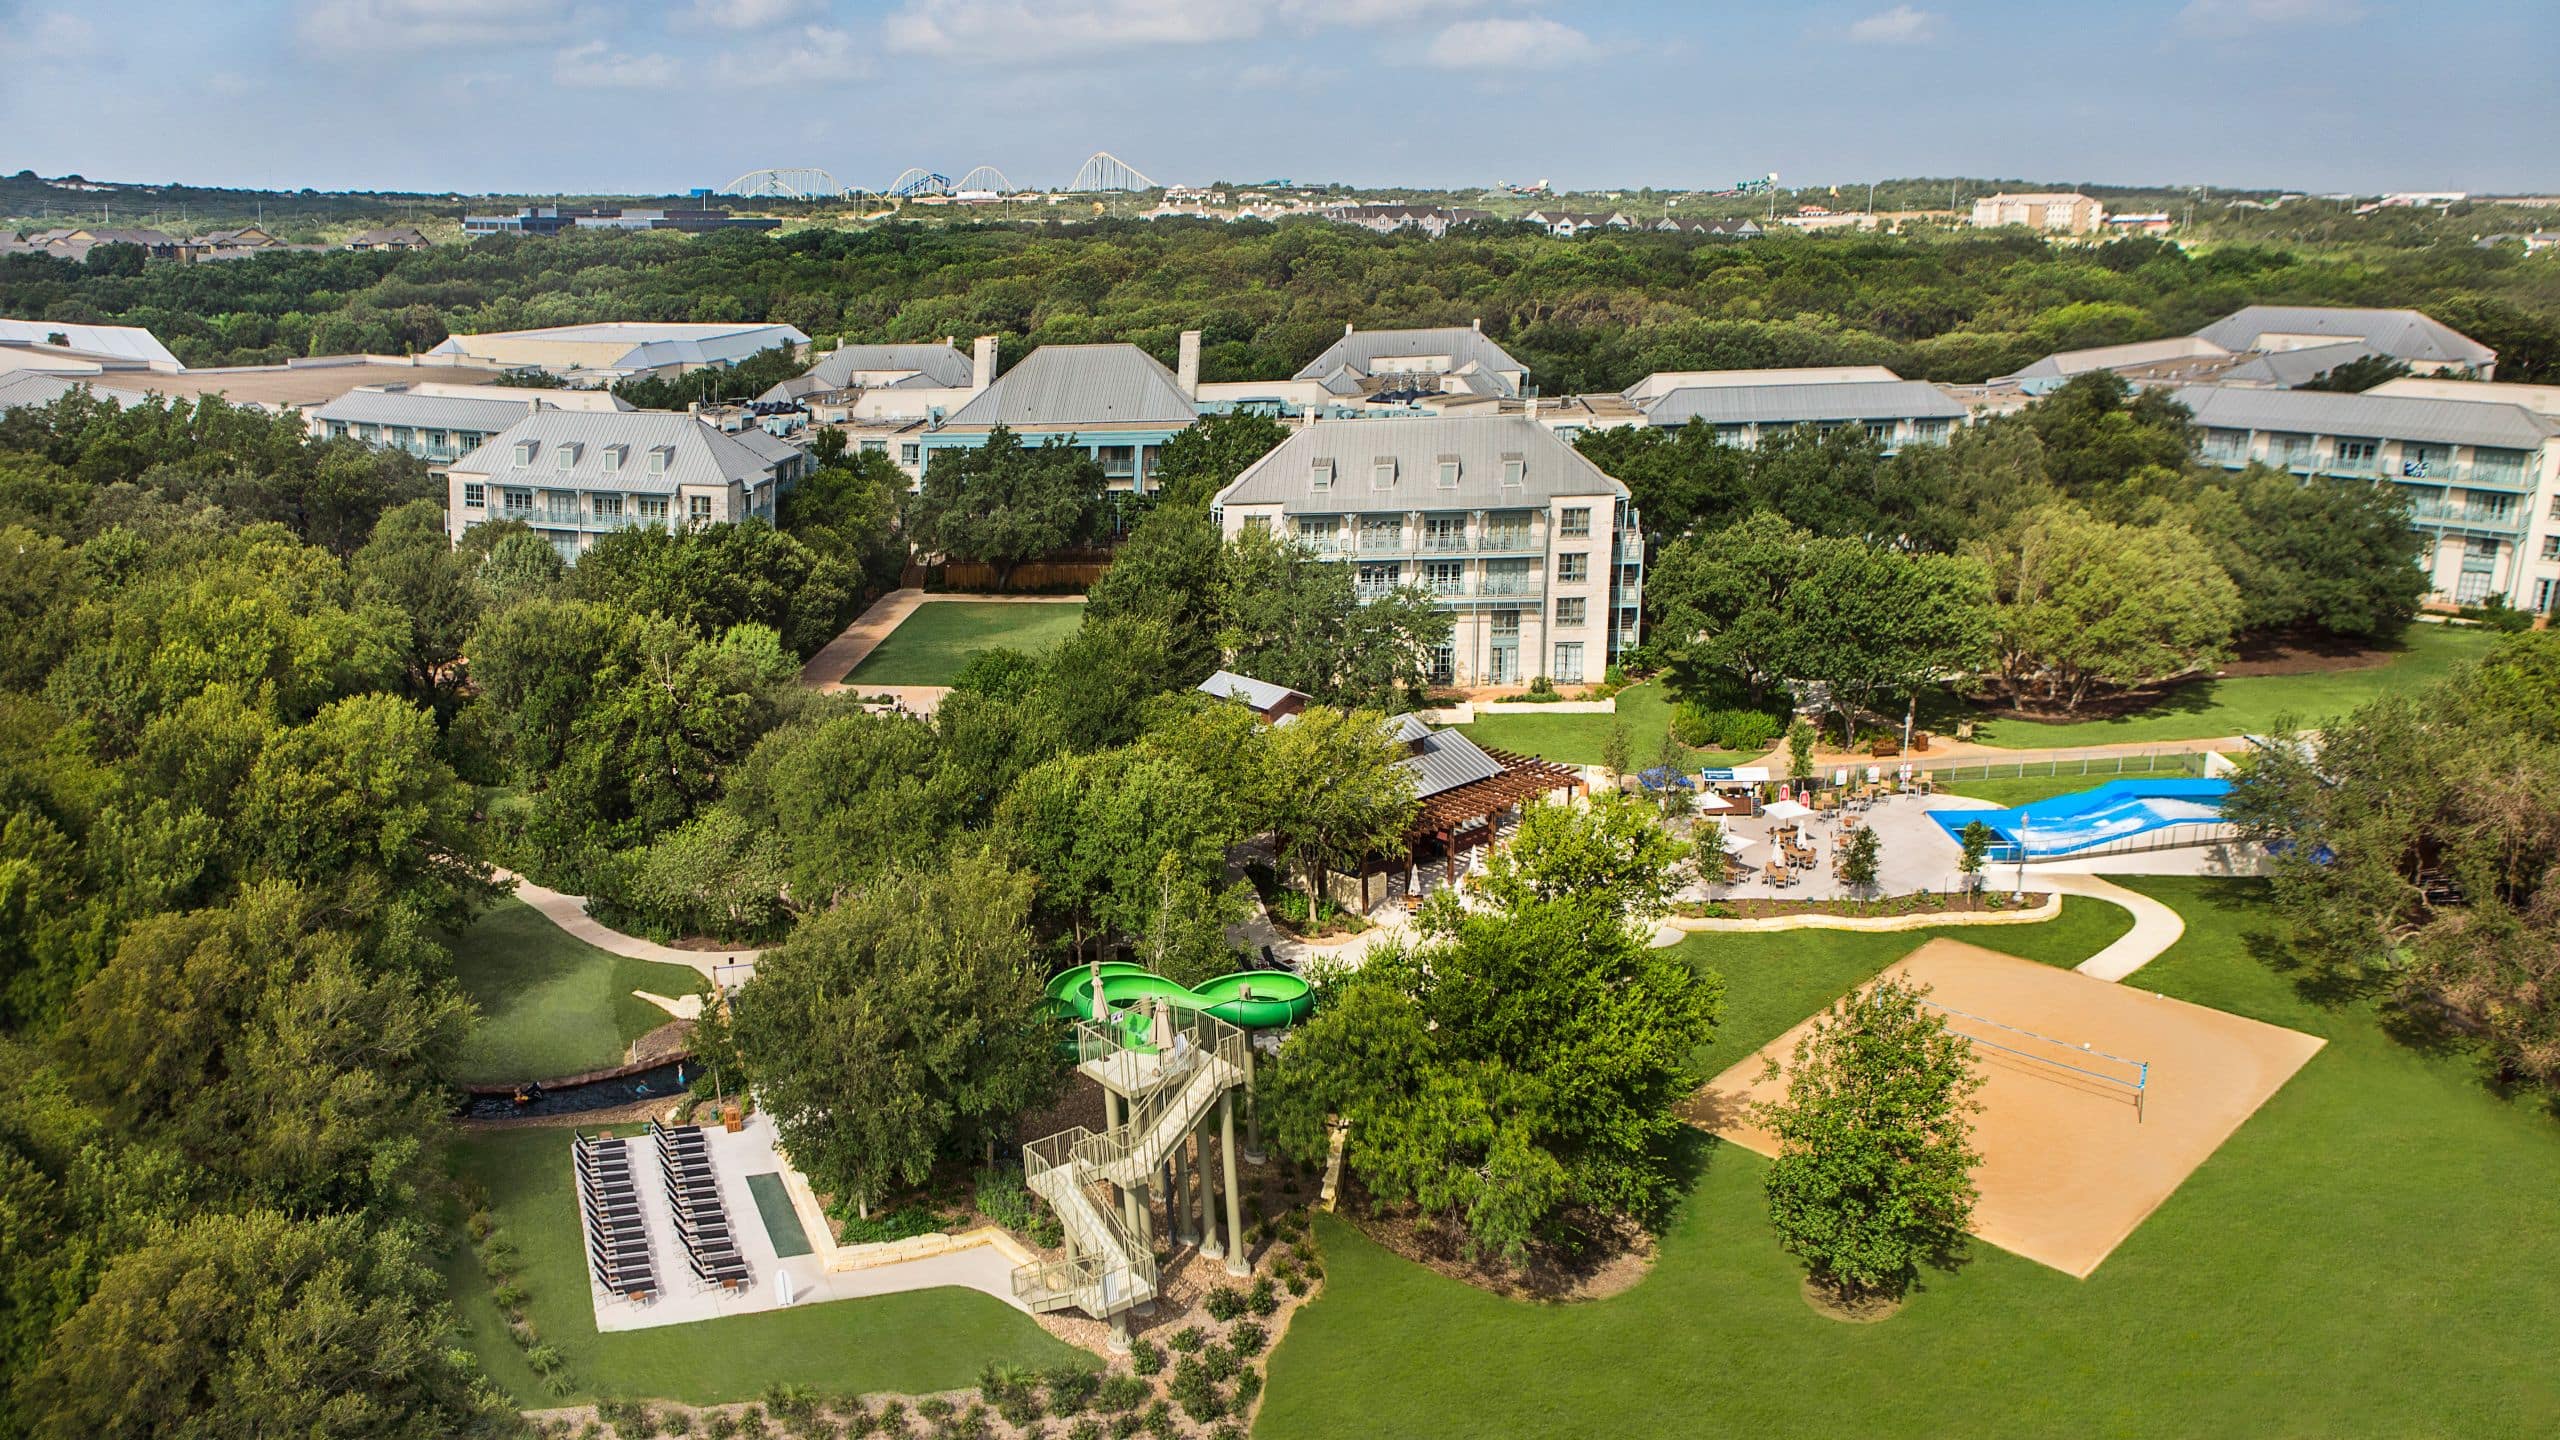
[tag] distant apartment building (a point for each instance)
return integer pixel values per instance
(882, 397)
(1566, 224)
(1432, 220)
(527, 220)
(1740, 229)
(1532, 549)
(2482, 475)
(2274, 347)
(577, 476)
(1747, 407)
(441, 423)
(612, 350)
(2062, 212)
(59, 347)
(389, 237)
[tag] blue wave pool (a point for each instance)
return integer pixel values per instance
(2115, 810)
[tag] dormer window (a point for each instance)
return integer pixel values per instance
(614, 455)
(1515, 468)
(659, 457)
(1382, 472)
(1320, 475)
(1448, 472)
(568, 454)
(526, 450)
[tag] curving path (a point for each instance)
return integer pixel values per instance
(2156, 927)
(569, 912)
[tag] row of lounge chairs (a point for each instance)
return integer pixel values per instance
(702, 1222)
(617, 1236)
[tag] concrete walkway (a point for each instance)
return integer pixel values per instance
(569, 912)
(826, 670)
(2156, 927)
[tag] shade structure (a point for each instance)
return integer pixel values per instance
(1735, 844)
(1787, 810)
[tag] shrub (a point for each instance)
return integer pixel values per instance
(904, 1223)
(1003, 1198)
(934, 1407)
(1265, 1297)
(1195, 1390)
(1186, 1340)
(1701, 728)
(1224, 1303)
(1127, 1425)
(1247, 1338)
(893, 1418)
(1085, 1430)
(481, 1224)
(1146, 1357)
(1297, 1283)
(1121, 1392)
(1070, 1389)
(1248, 1386)
(1160, 1421)
(510, 1297)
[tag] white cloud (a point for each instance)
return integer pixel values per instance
(2239, 17)
(1284, 75)
(1001, 29)
(815, 54)
(1901, 25)
(598, 66)
(1508, 44)
(391, 27)
(746, 14)
(46, 35)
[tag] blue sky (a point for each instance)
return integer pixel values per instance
(659, 95)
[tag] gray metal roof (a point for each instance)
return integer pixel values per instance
(2381, 417)
(1442, 759)
(2406, 334)
(1792, 404)
(1099, 386)
(942, 365)
(2063, 364)
(698, 454)
(650, 344)
(1481, 444)
(1258, 694)
(37, 388)
(429, 412)
(122, 342)
(2286, 369)
(1361, 350)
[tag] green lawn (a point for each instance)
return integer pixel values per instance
(2252, 704)
(550, 1004)
(922, 1341)
(1580, 739)
(2370, 1255)
(930, 646)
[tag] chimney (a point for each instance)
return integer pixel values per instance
(1187, 368)
(1479, 324)
(533, 406)
(950, 341)
(1346, 327)
(982, 364)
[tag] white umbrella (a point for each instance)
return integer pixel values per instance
(1735, 844)
(1787, 810)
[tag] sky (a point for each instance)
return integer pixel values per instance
(659, 96)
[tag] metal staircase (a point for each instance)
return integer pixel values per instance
(1170, 1090)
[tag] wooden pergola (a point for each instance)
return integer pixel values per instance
(1453, 812)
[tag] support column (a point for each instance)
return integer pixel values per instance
(1119, 1332)
(1252, 1111)
(1178, 1201)
(1449, 848)
(1209, 1242)
(1237, 1261)
(1143, 1235)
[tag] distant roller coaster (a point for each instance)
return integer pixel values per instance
(1106, 171)
(915, 180)
(984, 178)
(803, 182)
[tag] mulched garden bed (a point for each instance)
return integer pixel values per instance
(1618, 1257)
(1932, 902)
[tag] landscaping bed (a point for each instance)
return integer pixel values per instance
(1927, 902)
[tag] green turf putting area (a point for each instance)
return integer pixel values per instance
(551, 1004)
(781, 1222)
(913, 1343)
(932, 643)
(2385, 1201)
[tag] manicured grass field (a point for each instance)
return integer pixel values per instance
(1581, 739)
(551, 1005)
(923, 1341)
(2370, 1255)
(2252, 704)
(930, 646)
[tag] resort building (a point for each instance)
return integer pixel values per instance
(1115, 402)
(2426, 345)
(2065, 212)
(1748, 406)
(1532, 548)
(575, 476)
(389, 237)
(59, 347)
(1273, 703)
(612, 350)
(1386, 374)
(883, 396)
(442, 423)
(2482, 476)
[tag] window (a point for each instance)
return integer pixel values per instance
(1515, 468)
(1316, 530)
(1576, 521)
(614, 455)
(1444, 532)
(2357, 457)
(1118, 462)
(1448, 472)
(1257, 524)
(1444, 577)
(653, 507)
(908, 453)
(568, 454)
(875, 447)
(1320, 475)
(659, 458)
(526, 450)
(608, 508)
(475, 495)
(1572, 613)
(1381, 533)
(1444, 662)
(1573, 567)
(2551, 547)
(1880, 431)
(1568, 666)
(1509, 577)
(1382, 472)
(1377, 580)
(697, 509)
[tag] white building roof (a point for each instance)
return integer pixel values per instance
(696, 454)
(128, 344)
(1360, 351)
(2405, 334)
(2063, 364)
(1256, 694)
(626, 345)
(1663, 382)
(1840, 402)
(2384, 417)
(941, 366)
(1095, 386)
(2540, 399)
(429, 412)
(38, 388)
(1482, 446)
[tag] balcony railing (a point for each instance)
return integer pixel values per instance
(1391, 543)
(1502, 541)
(1445, 544)
(2463, 517)
(1324, 544)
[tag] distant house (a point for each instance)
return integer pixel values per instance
(613, 350)
(1273, 703)
(389, 237)
(1443, 359)
(576, 476)
(75, 242)
(1117, 403)
(1432, 220)
(2425, 344)
(1741, 229)
(1748, 411)
(2066, 212)
(1568, 223)
(2269, 347)
(1531, 548)
(63, 348)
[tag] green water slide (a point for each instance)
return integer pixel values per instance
(1253, 999)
